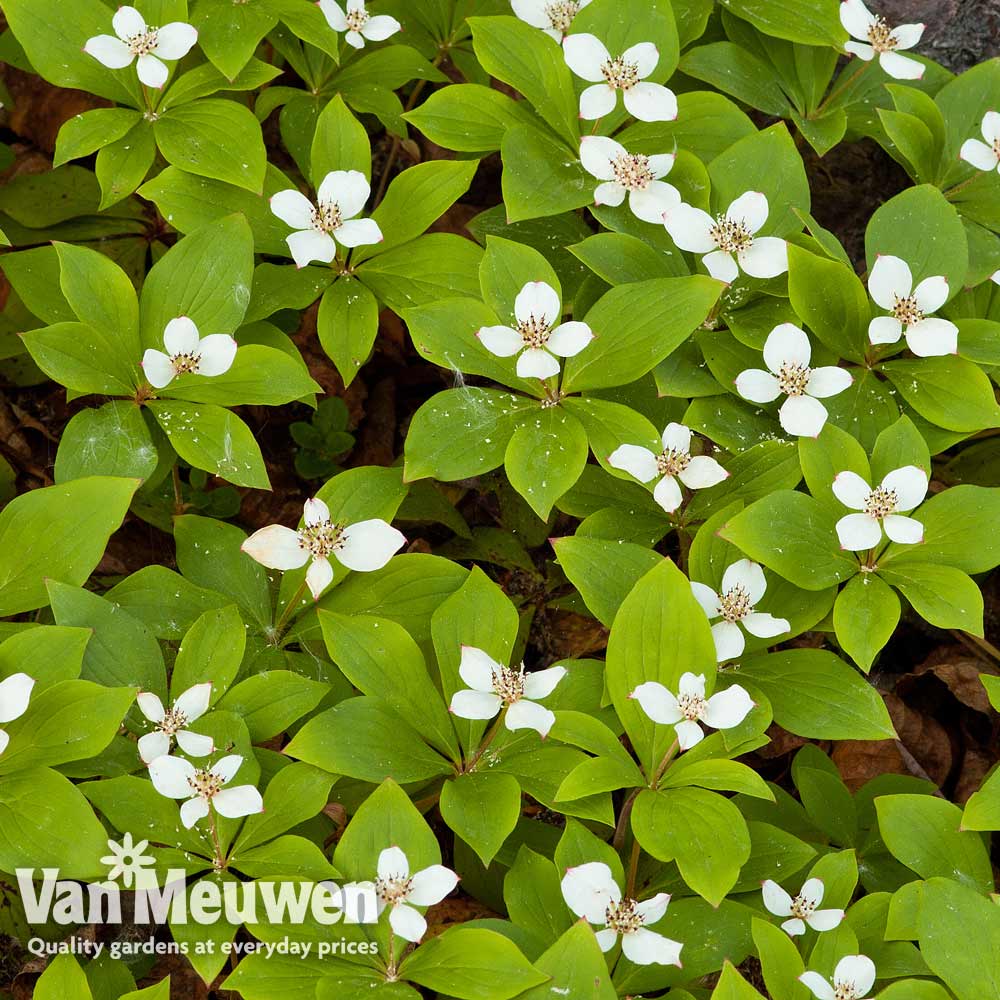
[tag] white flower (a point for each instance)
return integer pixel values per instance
(177, 778)
(787, 353)
(732, 233)
(674, 462)
(891, 286)
(397, 888)
(358, 23)
(802, 909)
(188, 353)
(553, 16)
(852, 979)
(363, 546)
(320, 227)
(15, 693)
(984, 155)
(743, 585)
(150, 45)
(587, 56)
(684, 712)
(631, 174)
(492, 686)
(127, 860)
(591, 892)
(538, 338)
(877, 38)
(172, 724)
(903, 489)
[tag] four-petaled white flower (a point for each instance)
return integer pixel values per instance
(984, 155)
(148, 45)
(733, 234)
(395, 887)
(787, 353)
(743, 585)
(876, 38)
(553, 16)
(188, 353)
(358, 23)
(127, 860)
(320, 227)
(492, 687)
(802, 909)
(204, 788)
(891, 286)
(675, 462)
(15, 693)
(587, 56)
(633, 174)
(363, 546)
(853, 977)
(172, 723)
(689, 707)
(901, 490)
(591, 892)
(538, 338)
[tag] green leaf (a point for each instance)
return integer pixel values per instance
(942, 595)
(720, 775)
(271, 701)
(636, 326)
(814, 694)
(293, 796)
(545, 457)
(59, 533)
(522, 57)
(922, 228)
(737, 72)
(576, 967)
(122, 165)
(506, 268)
(950, 392)
(214, 138)
(794, 535)
(347, 324)
(482, 809)
(229, 33)
(533, 897)
(82, 359)
(212, 651)
(339, 143)
(205, 276)
(732, 986)
(781, 964)
(830, 299)
(467, 117)
(924, 833)
(700, 830)
(865, 615)
(806, 21)
(619, 259)
(214, 439)
(415, 199)
(982, 810)
(463, 432)
(86, 133)
(471, 964)
(63, 979)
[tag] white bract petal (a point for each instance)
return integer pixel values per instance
(145, 44)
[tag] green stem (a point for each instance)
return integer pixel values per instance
(958, 187)
(664, 764)
(487, 740)
(633, 870)
(290, 608)
(837, 91)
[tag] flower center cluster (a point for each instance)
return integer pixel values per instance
(802, 908)
(670, 462)
(623, 916)
(882, 40)
(793, 378)
(393, 889)
(906, 310)
(735, 604)
(185, 363)
(561, 13)
(509, 684)
(731, 235)
(534, 331)
(143, 43)
(322, 538)
(881, 502)
(206, 784)
(632, 171)
(996, 148)
(844, 991)
(620, 74)
(692, 706)
(356, 19)
(326, 217)
(173, 720)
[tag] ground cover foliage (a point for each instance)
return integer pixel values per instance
(536, 461)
